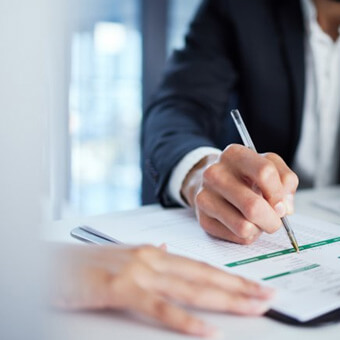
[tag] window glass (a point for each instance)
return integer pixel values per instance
(105, 101)
(105, 108)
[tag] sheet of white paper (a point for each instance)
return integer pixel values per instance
(308, 283)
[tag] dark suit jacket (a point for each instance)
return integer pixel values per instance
(239, 53)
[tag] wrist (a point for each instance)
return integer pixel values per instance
(193, 180)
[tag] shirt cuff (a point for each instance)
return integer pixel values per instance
(183, 167)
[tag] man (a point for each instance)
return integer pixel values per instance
(278, 61)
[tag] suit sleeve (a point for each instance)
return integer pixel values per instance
(190, 104)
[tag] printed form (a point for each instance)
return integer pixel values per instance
(308, 283)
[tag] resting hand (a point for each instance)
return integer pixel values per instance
(240, 194)
(152, 282)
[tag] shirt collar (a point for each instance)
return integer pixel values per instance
(311, 21)
(309, 11)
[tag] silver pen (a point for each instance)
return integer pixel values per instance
(90, 235)
(247, 141)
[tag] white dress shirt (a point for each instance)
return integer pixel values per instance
(316, 159)
(318, 150)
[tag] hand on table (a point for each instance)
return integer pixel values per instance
(153, 282)
(240, 194)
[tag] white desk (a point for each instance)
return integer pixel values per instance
(118, 325)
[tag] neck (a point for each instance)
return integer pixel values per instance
(328, 17)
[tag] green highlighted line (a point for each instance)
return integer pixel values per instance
(299, 270)
(282, 252)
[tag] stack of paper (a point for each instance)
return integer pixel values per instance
(308, 283)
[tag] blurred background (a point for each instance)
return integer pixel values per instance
(114, 54)
(74, 78)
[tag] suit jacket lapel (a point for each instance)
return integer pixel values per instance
(291, 28)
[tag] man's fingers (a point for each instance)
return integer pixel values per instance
(210, 297)
(269, 173)
(289, 180)
(194, 271)
(214, 206)
(170, 315)
(255, 169)
(187, 272)
(215, 228)
(252, 206)
(141, 294)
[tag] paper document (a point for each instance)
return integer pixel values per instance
(308, 283)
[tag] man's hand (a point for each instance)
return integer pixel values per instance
(240, 194)
(150, 281)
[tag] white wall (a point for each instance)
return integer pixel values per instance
(23, 121)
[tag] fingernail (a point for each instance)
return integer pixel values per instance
(289, 201)
(268, 291)
(252, 237)
(258, 306)
(280, 209)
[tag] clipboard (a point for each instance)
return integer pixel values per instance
(322, 320)
(90, 235)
